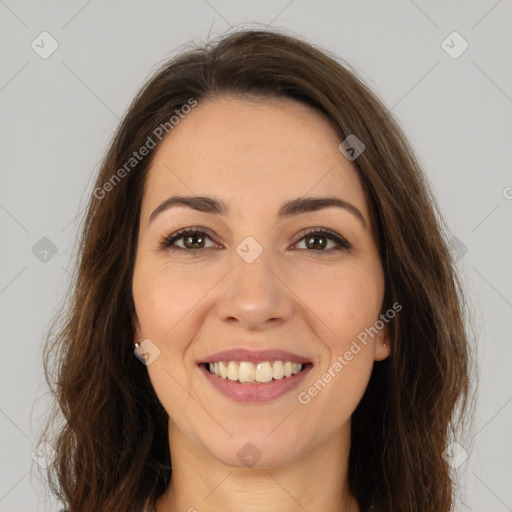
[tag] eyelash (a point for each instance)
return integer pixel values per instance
(167, 243)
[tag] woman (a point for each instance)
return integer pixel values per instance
(261, 237)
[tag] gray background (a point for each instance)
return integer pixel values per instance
(58, 113)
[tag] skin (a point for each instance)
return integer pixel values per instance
(254, 155)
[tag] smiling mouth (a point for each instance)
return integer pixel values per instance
(246, 372)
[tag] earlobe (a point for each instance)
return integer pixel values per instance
(383, 345)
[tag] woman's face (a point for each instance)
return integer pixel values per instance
(256, 281)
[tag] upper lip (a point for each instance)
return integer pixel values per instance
(254, 356)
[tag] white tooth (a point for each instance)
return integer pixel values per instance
(263, 372)
(232, 371)
(278, 370)
(210, 365)
(246, 372)
(223, 370)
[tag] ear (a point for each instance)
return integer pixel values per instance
(383, 344)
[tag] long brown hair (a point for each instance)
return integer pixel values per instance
(112, 452)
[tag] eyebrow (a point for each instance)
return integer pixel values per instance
(288, 209)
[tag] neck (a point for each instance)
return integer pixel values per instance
(314, 480)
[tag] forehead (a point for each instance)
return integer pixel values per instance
(244, 151)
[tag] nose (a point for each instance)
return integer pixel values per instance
(255, 296)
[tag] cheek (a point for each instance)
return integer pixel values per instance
(346, 301)
(164, 303)
(164, 297)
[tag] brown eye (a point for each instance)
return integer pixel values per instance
(316, 242)
(322, 240)
(194, 241)
(190, 239)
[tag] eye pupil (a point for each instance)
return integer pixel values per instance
(316, 245)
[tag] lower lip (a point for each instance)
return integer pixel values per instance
(255, 393)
